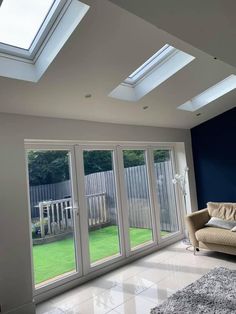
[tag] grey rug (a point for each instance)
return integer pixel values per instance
(215, 293)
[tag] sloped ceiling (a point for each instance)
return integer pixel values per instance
(207, 25)
(109, 44)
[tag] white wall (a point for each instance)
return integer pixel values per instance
(15, 265)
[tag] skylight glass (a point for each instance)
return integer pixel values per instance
(211, 94)
(20, 21)
(148, 65)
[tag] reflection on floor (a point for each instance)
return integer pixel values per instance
(139, 286)
(52, 260)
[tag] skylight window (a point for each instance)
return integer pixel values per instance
(32, 32)
(153, 72)
(25, 25)
(20, 21)
(211, 94)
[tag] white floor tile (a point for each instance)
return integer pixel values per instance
(120, 275)
(135, 305)
(114, 296)
(136, 284)
(73, 297)
(47, 308)
(156, 274)
(156, 293)
(138, 287)
(92, 306)
(177, 281)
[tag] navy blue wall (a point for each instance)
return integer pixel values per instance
(214, 153)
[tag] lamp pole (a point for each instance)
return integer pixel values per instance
(180, 181)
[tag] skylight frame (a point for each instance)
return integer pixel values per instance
(42, 35)
(145, 69)
(32, 70)
(165, 63)
(214, 92)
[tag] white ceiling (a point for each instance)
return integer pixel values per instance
(208, 25)
(109, 44)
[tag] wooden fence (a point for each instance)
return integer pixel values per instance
(103, 184)
(56, 217)
(98, 213)
(48, 192)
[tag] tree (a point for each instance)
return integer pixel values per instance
(46, 167)
(97, 161)
(161, 155)
(133, 158)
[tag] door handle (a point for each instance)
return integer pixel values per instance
(76, 209)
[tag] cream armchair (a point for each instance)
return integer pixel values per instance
(212, 238)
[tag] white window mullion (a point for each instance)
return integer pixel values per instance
(75, 211)
(155, 208)
(124, 199)
(83, 214)
(119, 203)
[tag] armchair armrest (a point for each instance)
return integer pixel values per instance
(196, 221)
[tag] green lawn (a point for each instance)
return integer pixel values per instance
(57, 258)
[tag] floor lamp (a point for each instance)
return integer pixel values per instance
(180, 181)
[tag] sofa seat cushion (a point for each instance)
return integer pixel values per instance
(216, 236)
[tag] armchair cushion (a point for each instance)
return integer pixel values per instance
(226, 211)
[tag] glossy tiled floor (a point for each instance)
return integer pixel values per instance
(139, 286)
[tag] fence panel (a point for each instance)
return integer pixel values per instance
(138, 194)
(166, 195)
(57, 216)
(48, 192)
(138, 197)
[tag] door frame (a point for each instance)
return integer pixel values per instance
(75, 210)
(124, 198)
(75, 147)
(171, 149)
(79, 149)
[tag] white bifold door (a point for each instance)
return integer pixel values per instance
(94, 205)
(54, 217)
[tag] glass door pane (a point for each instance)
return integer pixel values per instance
(101, 203)
(138, 198)
(52, 215)
(165, 191)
